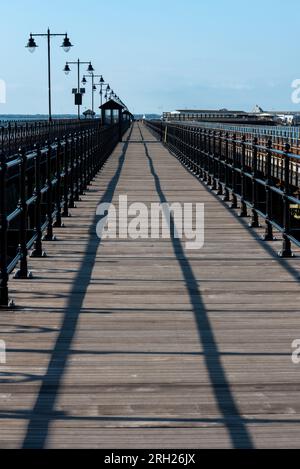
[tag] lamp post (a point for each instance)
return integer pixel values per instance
(94, 86)
(106, 92)
(67, 70)
(31, 46)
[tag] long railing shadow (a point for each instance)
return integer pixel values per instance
(43, 411)
(157, 422)
(233, 421)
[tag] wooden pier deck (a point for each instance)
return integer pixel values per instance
(143, 344)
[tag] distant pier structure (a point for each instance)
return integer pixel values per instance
(257, 117)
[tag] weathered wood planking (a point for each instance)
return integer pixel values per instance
(124, 343)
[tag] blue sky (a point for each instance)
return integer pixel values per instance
(158, 55)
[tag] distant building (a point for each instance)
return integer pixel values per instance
(258, 116)
(89, 114)
(257, 110)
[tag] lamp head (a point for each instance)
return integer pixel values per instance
(66, 45)
(31, 45)
(90, 68)
(67, 69)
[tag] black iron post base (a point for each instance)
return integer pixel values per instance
(49, 238)
(4, 299)
(254, 220)
(219, 190)
(286, 251)
(58, 224)
(37, 254)
(286, 254)
(19, 275)
(268, 236)
(234, 203)
(254, 224)
(214, 185)
(226, 197)
(244, 212)
(5, 305)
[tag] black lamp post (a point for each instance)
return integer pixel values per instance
(67, 70)
(106, 92)
(94, 87)
(31, 46)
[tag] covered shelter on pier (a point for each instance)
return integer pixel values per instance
(127, 116)
(111, 113)
(89, 114)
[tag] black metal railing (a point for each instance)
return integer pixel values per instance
(14, 135)
(263, 179)
(40, 185)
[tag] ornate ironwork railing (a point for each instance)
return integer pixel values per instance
(246, 171)
(41, 183)
(14, 135)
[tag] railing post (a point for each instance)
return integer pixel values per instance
(233, 173)
(198, 153)
(76, 171)
(71, 173)
(220, 163)
(81, 163)
(37, 249)
(85, 161)
(194, 151)
(23, 272)
(209, 157)
(89, 153)
(286, 242)
(49, 235)
(254, 217)
(189, 148)
(268, 236)
(65, 211)
(244, 212)
(213, 176)
(205, 165)
(4, 300)
(58, 221)
(201, 157)
(226, 197)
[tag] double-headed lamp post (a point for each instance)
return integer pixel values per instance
(94, 87)
(67, 70)
(31, 46)
(106, 92)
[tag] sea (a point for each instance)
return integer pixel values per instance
(35, 117)
(40, 117)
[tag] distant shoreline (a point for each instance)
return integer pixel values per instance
(40, 117)
(15, 117)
